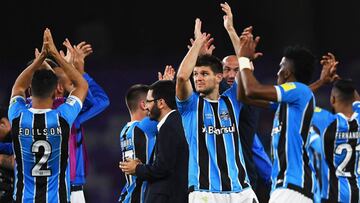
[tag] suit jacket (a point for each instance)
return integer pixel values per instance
(167, 175)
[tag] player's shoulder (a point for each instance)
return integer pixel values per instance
(147, 125)
(321, 113)
(129, 127)
(295, 86)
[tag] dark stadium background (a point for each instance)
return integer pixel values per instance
(132, 40)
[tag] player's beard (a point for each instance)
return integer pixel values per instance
(154, 113)
(205, 91)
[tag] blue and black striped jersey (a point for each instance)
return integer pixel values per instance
(40, 142)
(315, 154)
(341, 146)
(216, 162)
(291, 169)
(137, 140)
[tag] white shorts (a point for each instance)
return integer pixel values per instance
(77, 197)
(285, 195)
(246, 196)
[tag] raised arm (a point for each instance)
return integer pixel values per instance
(96, 99)
(23, 81)
(253, 89)
(76, 78)
(183, 84)
(169, 73)
(235, 40)
(328, 72)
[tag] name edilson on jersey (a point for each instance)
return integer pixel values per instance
(40, 131)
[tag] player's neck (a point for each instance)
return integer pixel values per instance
(40, 103)
(291, 79)
(214, 95)
(138, 115)
(345, 109)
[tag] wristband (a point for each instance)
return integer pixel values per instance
(244, 63)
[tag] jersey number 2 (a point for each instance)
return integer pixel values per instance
(36, 170)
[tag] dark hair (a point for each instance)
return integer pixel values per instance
(134, 94)
(345, 89)
(164, 89)
(213, 62)
(3, 112)
(43, 83)
(303, 62)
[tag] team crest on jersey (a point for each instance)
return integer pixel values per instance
(70, 101)
(224, 115)
(288, 86)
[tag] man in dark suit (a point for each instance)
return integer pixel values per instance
(167, 174)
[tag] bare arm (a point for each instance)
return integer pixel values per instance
(252, 87)
(183, 84)
(328, 72)
(246, 100)
(23, 81)
(76, 78)
(235, 40)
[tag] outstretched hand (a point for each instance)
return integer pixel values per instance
(208, 47)
(76, 54)
(169, 73)
(48, 43)
(329, 67)
(228, 18)
(248, 44)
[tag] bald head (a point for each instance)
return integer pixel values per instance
(230, 68)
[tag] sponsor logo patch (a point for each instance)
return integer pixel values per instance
(317, 109)
(288, 86)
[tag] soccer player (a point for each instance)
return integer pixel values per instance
(6, 160)
(340, 138)
(258, 163)
(292, 176)
(216, 165)
(95, 102)
(314, 149)
(40, 135)
(167, 171)
(230, 69)
(137, 140)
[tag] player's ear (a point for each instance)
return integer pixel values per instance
(332, 100)
(287, 74)
(60, 88)
(142, 105)
(219, 77)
